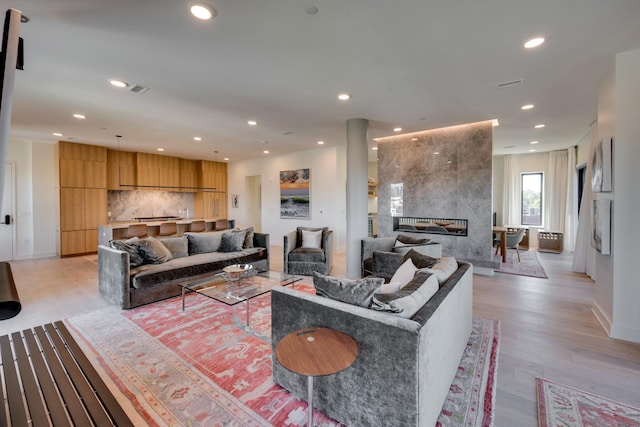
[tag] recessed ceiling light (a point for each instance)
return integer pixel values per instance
(118, 83)
(527, 107)
(160, 149)
(79, 116)
(374, 148)
(320, 142)
(533, 142)
(202, 11)
(226, 159)
(397, 129)
(197, 138)
(252, 123)
(532, 150)
(57, 134)
(266, 151)
(344, 96)
(534, 42)
(540, 126)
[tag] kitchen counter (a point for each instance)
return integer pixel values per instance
(118, 229)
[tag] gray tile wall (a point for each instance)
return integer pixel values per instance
(126, 205)
(455, 183)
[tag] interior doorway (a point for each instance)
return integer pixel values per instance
(254, 202)
(7, 229)
(581, 172)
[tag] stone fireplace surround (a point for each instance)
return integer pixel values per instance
(445, 173)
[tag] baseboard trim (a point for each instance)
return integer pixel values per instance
(602, 317)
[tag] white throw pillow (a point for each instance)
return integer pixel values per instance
(311, 239)
(443, 269)
(401, 277)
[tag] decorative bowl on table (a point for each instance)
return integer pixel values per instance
(236, 271)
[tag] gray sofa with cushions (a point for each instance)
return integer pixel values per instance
(404, 367)
(191, 255)
(306, 261)
(393, 244)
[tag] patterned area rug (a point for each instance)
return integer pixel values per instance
(560, 405)
(203, 367)
(529, 264)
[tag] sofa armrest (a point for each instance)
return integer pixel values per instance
(288, 244)
(113, 276)
(328, 246)
(261, 240)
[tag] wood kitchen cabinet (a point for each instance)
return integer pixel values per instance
(121, 170)
(83, 196)
(188, 175)
(156, 172)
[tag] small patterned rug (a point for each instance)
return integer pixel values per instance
(561, 405)
(529, 264)
(203, 367)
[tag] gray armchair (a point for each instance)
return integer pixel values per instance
(388, 244)
(306, 260)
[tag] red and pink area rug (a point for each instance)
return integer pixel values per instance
(561, 405)
(203, 367)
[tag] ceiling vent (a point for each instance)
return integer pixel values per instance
(511, 83)
(138, 89)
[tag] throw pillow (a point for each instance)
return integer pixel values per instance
(233, 241)
(401, 277)
(153, 251)
(248, 238)
(204, 243)
(410, 299)
(443, 269)
(402, 240)
(135, 257)
(178, 246)
(311, 239)
(420, 260)
(355, 292)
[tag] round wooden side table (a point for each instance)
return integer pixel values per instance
(316, 352)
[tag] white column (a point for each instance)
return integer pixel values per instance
(357, 199)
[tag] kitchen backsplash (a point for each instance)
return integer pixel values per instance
(127, 205)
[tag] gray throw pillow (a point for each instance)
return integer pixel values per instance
(408, 240)
(248, 238)
(153, 251)
(410, 299)
(178, 246)
(233, 241)
(135, 257)
(420, 260)
(356, 292)
(204, 243)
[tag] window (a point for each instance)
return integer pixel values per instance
(531, 196)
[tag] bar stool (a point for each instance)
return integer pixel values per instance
(197, 226)
(168, 229)
(222, 224)
(137, 230)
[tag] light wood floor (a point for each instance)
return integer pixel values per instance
(547, 327)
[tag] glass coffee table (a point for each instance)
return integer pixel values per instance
(219, 288)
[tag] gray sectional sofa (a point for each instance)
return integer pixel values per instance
(191, 255)
(404, 367)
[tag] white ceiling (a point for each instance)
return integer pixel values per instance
(416, 64)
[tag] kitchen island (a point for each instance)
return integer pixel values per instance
(118, 229)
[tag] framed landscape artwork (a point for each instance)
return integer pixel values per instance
(601, 166)
(601, 226)
(295, 194)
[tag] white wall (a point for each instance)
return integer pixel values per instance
(328, 191)
(626, 205)
(36, 198)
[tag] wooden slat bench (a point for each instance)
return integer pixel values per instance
(47, 380)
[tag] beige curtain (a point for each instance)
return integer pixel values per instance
(511, 192)
(571, 224)
(556, 186)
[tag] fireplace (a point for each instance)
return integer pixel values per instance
(430, 225)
